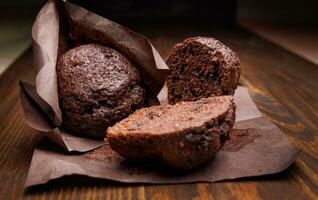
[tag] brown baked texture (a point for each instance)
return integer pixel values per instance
(184, 135)
(97, 87)
(201, 67)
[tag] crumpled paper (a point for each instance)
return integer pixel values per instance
(271, 152)
(60, 26)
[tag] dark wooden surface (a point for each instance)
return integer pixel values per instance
(284, 86)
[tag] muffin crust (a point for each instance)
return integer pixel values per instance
(97, 87)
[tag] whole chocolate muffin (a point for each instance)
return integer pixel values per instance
(201, 67)
(184, 135)
(97, 87)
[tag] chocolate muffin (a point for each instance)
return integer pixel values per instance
(97, 87)
(184, 135)
(201, 67)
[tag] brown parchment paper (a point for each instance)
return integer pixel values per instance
(60, 26)
(269, 153)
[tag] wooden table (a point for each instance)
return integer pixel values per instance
(284, 86)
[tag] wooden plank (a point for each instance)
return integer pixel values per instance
(299, 39)
(282, 84)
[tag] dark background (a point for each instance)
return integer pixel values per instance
(288, 23)
(221, 12)
(214, 11)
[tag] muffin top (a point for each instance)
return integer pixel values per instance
(96, 82)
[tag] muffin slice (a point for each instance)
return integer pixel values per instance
(184, 135)
(201, 67)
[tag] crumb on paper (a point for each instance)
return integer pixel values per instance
(239, 138)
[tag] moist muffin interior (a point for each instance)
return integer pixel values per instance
(201, 67)
(173, 118)
(184, 135)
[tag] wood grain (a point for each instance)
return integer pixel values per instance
(284, 86)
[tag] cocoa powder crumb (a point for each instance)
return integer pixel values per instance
(238, 138)
(104, 153)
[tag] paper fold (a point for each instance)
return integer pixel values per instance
(271, 152)
(60, 26)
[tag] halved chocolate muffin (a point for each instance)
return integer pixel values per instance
(97, 87)
(184, 135)
(201, 67)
